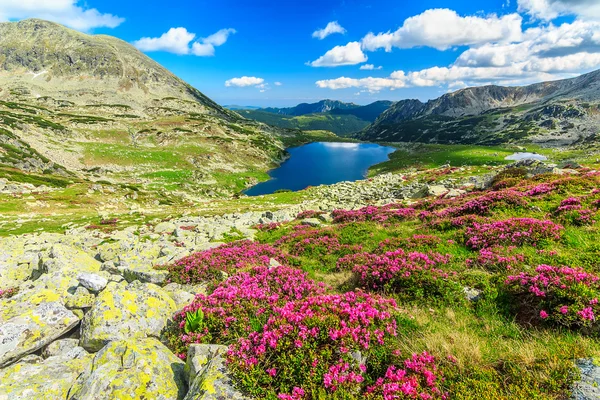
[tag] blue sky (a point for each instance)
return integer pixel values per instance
(264, 52)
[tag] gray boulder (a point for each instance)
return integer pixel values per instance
(33, 329)
(123, 311)
(208, 376)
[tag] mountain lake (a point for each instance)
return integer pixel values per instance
(322, 163)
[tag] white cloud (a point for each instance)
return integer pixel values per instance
(66, 12)
(550, 9)
(350, 54)
(330, 29)
(177, 41)
(278, 83)
(444, 28)
(246, 81)
(545, 53)
(369, 67)
(370, 84)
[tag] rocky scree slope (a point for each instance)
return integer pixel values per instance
(558, 112)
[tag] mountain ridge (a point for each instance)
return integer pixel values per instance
(413, 120)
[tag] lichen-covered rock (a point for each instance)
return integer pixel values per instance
(182, 295)
(18, 261)
(123, 311)
(588, 386)
(60, 347)
(81, 299)
(165, 227)
(143, 273)
(132, 369)
(208, 376)
(68, 258)
(48, 379)
(33, 329)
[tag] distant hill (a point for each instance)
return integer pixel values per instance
(322, 106)
(370, 112)
(558, 112)
(335, 116)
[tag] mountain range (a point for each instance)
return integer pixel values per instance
(341, 118)
(553, 113)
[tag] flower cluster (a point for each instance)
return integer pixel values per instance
(541, 189)
(571, 210)
(412, 275)
(321, 341)
(307, 241)
(309, 214)
(482, 204)
(210, 265)
(8, 293)
(512, 231)
(241, 305)
(372, 213)
(563, 295)
(417, 378)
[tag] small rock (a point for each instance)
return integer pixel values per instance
(314, 222)
(92, 282)
(472, 294)
(436, 190)
(59, 347)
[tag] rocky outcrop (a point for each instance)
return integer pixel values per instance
(132, 369)
(123, 311)
(44, 379)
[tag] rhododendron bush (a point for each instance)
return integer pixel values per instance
(513, 231)
(390, 212)
(562, 295)
(328, 345)
(309, 242)
(412, 275)
(241, 305)
(210, 265)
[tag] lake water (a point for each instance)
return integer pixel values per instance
(322, 163)
(526, 156)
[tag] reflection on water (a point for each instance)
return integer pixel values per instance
(322, 163)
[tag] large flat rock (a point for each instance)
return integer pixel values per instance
(34, 329)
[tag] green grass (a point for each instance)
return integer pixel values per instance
(427, 156)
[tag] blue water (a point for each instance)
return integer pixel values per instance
(322, 164)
